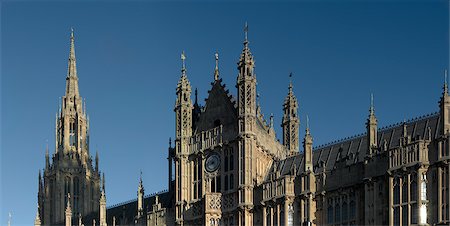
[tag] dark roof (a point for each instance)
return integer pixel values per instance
(125, 212)
(353, 149)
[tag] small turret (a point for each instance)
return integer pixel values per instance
(96, 161)
(103, 204)
(307, 148)
(444, 107)
(47, 158)
(291, 121)
(140, 194)
(371, 126)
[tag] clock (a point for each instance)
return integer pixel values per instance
(212, 162)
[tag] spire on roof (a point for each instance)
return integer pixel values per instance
(246, 32)
(290, 82)
(72, 69)
(445, 82)
(372, 109)
(183, 63)
(72, 77)
(246, 63)
(307, 125)
(216, 69)
(196, 96)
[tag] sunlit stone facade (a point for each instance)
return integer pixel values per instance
(230, 168)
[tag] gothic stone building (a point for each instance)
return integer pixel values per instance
(230, 169)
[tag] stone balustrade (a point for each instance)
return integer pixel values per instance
(205, 140)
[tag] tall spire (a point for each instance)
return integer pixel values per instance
(72, 77)
(216, 69)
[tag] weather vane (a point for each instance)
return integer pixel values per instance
(246, 31)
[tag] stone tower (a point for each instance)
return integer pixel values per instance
(246, 94)
(290, 122)
(183, 112)
(71, 170)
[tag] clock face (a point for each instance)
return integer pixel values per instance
(212, 162)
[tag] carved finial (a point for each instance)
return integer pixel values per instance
(290, 82)
(246, 32)
(445, 82)
(216, 70)
(140, 177)
(103, 183)
(271, 120)
(307, 124)
(372, 108)
(170, 142)
(196, 96)
(183, 59)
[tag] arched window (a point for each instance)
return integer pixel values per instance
(423, 189)
(76, 195)
(282, 217)
(226, 163)
(330, 214)
(72, 129)
(268, 217)
(344, 211)
(226, 182)
(231, 181)
(396, 190)
(352, 210)
(66, 189)
(290, 216)
(413, 188)
(337, 213)
(405, 189)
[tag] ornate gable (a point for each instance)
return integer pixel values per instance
(220, 109)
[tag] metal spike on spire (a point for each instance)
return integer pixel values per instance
(372, 108)
(246, 32)
(290, 82)
(183, 59)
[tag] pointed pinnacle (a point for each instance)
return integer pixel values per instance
(372, 108)
(216, 70)
(183, 64)
(307, 125)
(246, 32)
(445, 81)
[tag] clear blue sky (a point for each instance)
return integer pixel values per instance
(128, 66)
